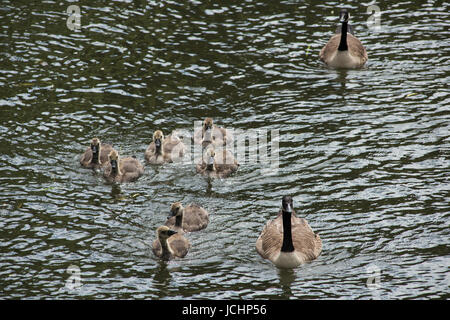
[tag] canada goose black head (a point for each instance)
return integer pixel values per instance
(164, 232)
(287, 204)
(176, 210)
(95, 147)
(344, 15)
(114, 161)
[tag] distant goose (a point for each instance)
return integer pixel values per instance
(96, 155)
(123, 169)
(211, 134)
(169, 244)
(218, 164)
(187, 219)
(163, 149)
(288, 241)
(344, 50)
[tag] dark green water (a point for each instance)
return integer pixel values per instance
(364, 153)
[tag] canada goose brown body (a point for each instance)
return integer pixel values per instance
(164, 149)
(217, 164)
(211, 134)
(187, 219)
(122, 169)
(170, 244)
(288, 241)
(96, 155)
(344, 50)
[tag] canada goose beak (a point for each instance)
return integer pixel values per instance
(114, 164)
(171, 232)
(94, 149)
(211, 161)
(158, 143)
(289, 208)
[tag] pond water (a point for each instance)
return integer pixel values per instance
(364, 153)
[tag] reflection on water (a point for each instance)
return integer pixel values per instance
(364, 153)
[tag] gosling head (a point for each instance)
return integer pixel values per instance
(208, 123)
(114, 161)
(164, 232)
(176, 209)
(95, 147)
(210, 154)
(344, 15)
(158, 138)
(287, 204)
(207, 129)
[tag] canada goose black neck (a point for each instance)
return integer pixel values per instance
(343, 44)
(287, 246)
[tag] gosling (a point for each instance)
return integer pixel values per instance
(211, 134)
(219, 164)
(122, 170)
(162, 150)
(187, 219)
(96, 156)
(169, 244)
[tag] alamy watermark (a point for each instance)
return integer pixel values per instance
(74, 281)
(74, 20)
(374, 20)
(255, 147)
(373, 281)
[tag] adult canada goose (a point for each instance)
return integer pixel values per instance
(344, 50)
(211, 134)
(169, 244)
(218, 164)
(288, 241)
(96, 155)
(163, 149)
(122, 170)
(187, 219)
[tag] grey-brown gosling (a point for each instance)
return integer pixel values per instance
(210, 133)
(122, 169)
(288, 241)
(164, 149)
(187, 219)
(169, 244)
(96, 155)
(218, 164)
(344, 50)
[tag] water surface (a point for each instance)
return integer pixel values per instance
(364, 153)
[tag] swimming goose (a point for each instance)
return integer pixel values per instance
(218, 164)
(187, 219)
(344, 50)
(288, 241)
(96, 155)
(169, 244)
(122, 170)
(210, 133)
(163, 149)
